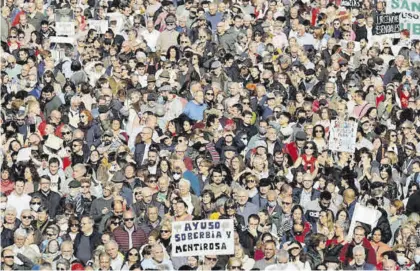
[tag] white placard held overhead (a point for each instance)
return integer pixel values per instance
(342, 136)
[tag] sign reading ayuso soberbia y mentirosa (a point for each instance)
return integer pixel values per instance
(202, 237)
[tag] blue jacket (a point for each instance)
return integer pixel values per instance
(195, 111)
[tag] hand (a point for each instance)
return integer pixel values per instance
(105, 211)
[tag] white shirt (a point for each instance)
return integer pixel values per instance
(151, 38)
(188, 201)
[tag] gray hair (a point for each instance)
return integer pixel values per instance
(283, 254)
(360, 249)
(64, 262)
(113, 243)
(20, 232)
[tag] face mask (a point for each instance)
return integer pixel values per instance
(401, 260)
(298, 233)
(3, 205)
(271, 203)
(417, 259)
(302, 120)
(332, 80)
(35, 207)
(266, 81)
(177, 176)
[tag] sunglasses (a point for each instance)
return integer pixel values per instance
(8, 257)
(129, 219)
(318, 131)
(35, 203)
(133, 254)
(309, 148)
(115, 223)
(164, 231)
(74, 225)
(137, 193)
(66, 133)
(27, 217)
(246, 102)
(210, 94)
(211, 259)
(13, 37)
(286, 203)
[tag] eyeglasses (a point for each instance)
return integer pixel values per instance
(133, 254)
(211, 259)
(250, 181)
(309, 148)
(164, 231)
(66, 132)
(129, 219)
(27, 217)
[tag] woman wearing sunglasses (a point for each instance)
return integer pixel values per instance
(131, 258)
(308, 160)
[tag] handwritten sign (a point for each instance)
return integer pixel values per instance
(342, 136)
(202, 237)
(65, 29)
(99, 25)
(351, 3)
(386, 24)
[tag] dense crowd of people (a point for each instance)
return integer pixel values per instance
(152, 112)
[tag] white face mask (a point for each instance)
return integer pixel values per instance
(401, 260)
(417, 259)
(35, 207)
(177, 176)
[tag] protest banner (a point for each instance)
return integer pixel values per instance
(351, 3)
(409, 15)
(99, 25)
(202, 237)
(342, 136)
(384, 24)
(65, 29)
(363, 214)
(69, 40)
(117, 20)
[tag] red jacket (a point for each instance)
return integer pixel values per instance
(371, 255)
(292, 150)
(121, 236)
